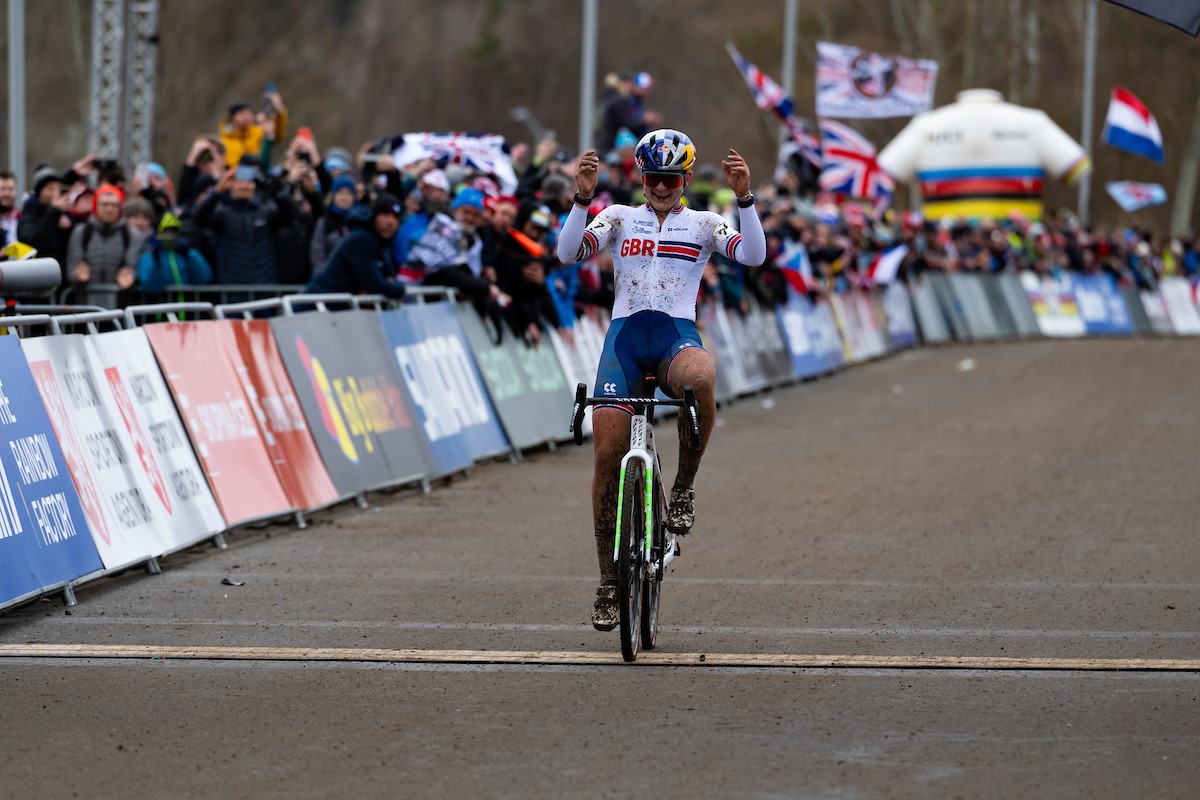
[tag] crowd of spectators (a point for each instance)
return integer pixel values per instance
(256, 205)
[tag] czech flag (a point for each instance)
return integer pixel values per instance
(885, 266)
(1130, 126)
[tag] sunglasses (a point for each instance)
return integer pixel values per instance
(671, 180)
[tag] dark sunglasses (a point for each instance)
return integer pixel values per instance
(671, 180)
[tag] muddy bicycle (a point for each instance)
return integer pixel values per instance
(643, 546)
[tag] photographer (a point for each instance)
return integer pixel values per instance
(206, 157)
(245, 133)
(244, 216)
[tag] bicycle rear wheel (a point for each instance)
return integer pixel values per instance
(630, 571)
(652, 582)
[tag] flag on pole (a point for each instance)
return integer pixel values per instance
(885, 266)
(850, 166)
(1131, 196)
(770, 96)
(1130, 126)
(488, 154)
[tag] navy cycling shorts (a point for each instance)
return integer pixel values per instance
(638, 346)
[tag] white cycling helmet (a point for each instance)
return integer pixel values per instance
(665, 150)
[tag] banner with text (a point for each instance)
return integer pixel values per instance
(1101, 305)
(44, 536)
(354, 398)
(219, 420)
(130, 520)
(251, 349)
(1053, 305)
(149, 416)
(526, 384)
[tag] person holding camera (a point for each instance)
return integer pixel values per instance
(205, 158)
(244, 220)
(243, 132)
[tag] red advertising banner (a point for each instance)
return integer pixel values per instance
(251, 347)
(219, 419)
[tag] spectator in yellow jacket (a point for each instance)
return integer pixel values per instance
(244, 134)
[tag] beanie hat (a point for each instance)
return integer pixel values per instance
(43, 176)
(105, 190)
(343, 182)
(385, 204)
(169, 220)
(139, 205)
(468, 197)
(437, 179)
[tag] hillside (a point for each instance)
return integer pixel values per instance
(358, 69)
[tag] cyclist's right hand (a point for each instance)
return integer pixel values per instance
(587, 174)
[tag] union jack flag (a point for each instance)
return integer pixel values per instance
(850, 165)
(770, 96)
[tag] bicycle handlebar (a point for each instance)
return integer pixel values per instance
(582, 401)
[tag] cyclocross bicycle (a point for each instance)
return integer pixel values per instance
(643, 547)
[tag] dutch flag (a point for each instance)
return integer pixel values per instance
(1130, 126)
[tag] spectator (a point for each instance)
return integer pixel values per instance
(331, 226)
(205, 158)
(243, 134)
(168, 259)
(626, 110)
(521, 268)
(362, 260)
(150, 182)
(451, 251)
(10, 215)
(244, 222)
(434, 198)
(102, 250)
(45, 224)
(140, 217)
(298, 181)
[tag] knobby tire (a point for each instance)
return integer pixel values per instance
(630, 571)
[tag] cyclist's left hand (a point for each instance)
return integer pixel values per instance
(737, 172)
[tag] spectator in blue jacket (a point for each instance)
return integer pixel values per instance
(363, 260)
(169, 259)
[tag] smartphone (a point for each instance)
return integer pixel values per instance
(305, 157)
(304, 132)
(267, 106)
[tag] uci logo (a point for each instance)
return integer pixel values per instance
(610, 388)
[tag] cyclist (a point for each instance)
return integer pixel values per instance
(659, 251)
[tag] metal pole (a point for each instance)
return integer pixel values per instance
(1089, 99)
(789, 59)
(16, 90)
(587, 76)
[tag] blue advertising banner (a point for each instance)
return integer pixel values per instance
(432, 369)
(811, 336)
(44, 537)
(902, 328)
(1101, 305)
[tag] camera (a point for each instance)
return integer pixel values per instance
(304, 157)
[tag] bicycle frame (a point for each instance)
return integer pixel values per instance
(641, 447)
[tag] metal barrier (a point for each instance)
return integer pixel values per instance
(171, 310)
(215, 293)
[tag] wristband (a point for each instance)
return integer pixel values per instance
(747, 201)
(583, 201)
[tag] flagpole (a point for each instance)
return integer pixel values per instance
(1089, 92)
(789, 59)
(587, 76)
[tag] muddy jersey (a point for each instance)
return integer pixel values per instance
(658, 268)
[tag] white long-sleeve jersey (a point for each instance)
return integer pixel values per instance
(658, 268)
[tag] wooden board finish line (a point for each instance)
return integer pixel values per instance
(589, 658)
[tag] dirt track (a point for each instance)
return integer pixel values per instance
(1039, 505)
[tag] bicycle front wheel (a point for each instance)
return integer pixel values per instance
(652, 580)
(630, 571)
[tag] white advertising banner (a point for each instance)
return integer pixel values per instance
(132, 375)
(1181, 306)
(856, 83)
(124, 491)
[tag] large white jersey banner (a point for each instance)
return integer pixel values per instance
(148, 414)
(852, 83)
(124, 491)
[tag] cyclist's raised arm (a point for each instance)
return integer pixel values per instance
(750, 246)
(577, 240)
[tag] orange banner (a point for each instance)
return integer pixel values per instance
(251, 348)
(220, 420)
